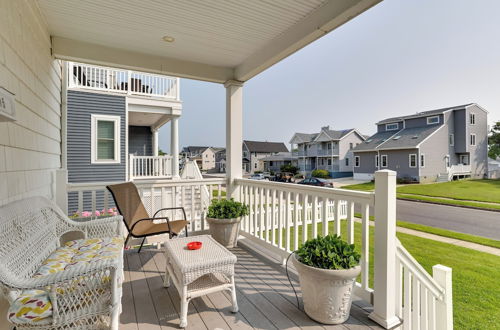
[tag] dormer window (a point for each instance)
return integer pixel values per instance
(472, 118)
(432, 120)
(392, 126)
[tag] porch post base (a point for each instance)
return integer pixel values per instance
(387, 324)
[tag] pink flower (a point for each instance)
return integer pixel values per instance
(110, 211)
(86, 214)
(115, 213)
(97, 213)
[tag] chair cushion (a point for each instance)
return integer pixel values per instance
(34, 305)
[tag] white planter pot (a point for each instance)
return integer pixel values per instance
(225, 231)
(327, 294)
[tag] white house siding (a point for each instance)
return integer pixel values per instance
(29, 147)
(479, 153)
(346, 152)
(207, 159)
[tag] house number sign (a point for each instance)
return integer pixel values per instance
(7, 105)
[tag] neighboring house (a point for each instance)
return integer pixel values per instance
(209, 158)
(329, 150)
(194, 153)
(113, 122)
(220, 160)
(254, 151)
(273, 163)
(436, 145)
(494, 168)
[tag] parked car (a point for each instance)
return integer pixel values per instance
(316, 182)
(258, 176)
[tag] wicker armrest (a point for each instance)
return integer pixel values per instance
(104, 227)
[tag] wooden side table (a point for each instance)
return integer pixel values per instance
(199, 272)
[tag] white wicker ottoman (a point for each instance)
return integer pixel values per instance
(199, 272)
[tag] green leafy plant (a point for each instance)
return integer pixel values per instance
(289, 168)
(227, 209)
(322, 174)
(328, 252)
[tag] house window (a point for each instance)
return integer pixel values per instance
(329, 161)
(473, 139)
(472, 118)
(255, 165)
(356, 161)
(350, 145)
(422, 160)
(271, 163)
(452, 140)
(376, 161)
(105, 139)
(413, 160)
(391, 127)
(347, 162)
(432, 120)
(384, 160)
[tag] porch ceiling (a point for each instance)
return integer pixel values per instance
(214, 40)
(153, 120)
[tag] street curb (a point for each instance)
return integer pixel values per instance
(437, 203)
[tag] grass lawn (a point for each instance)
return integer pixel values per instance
(476, 293)
(215, 193)
(464, 193)
(473, 190)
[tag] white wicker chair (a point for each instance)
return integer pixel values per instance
(86, 296)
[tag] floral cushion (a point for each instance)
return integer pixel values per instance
(34, 305)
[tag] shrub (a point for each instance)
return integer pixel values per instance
(328, 252)
(322, 174)
(227, 209)
(289, 168)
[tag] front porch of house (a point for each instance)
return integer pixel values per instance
(265, 298)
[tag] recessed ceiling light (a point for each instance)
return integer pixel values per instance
(168, 39)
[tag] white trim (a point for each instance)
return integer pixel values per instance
(357, 160)
(93, 138)
(447, 161)
(409, 161)
(323, 132)
(392, 129)
(472, 115)
(433, 117)
(422, 157)
(451, 140)
(477, 105)
(377, 161)
(382, 161)
(470, 139)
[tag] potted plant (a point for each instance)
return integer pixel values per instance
(327, 267)
(224, 217)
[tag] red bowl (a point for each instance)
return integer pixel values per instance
(194, 245)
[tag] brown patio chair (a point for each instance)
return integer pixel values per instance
(137, 220)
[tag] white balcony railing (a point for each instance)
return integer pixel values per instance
(459, 169)
(150, 167)
(401, 290)
(86, 76)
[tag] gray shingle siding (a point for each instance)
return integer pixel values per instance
(140, 140)
(81, 105)
(478, 153)
(460, 133)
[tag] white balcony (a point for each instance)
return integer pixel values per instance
(126, 82)
(150, 167)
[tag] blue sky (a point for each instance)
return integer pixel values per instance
(397, 58)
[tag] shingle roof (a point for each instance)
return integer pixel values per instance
(334, 134)
(261, 146)
(373, 141)
(407, 138)
(279, 156)
(423, 114)
(194, 149)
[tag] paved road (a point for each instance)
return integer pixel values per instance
(469, 221)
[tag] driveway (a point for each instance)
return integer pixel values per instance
(468, 221)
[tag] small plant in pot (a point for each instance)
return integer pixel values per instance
(327, 267)
(224, 217)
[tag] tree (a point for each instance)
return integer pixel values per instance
(494, 141)
(160, 152)
(289, 168)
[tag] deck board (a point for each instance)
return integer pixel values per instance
(265, 298)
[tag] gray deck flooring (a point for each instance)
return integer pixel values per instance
(265, 298)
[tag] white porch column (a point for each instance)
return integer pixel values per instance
(155, 142)
(384, 302)
(234, 134)
(174, 146)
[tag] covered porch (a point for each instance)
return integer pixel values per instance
(233, 43)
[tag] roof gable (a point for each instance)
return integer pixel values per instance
(265, 147)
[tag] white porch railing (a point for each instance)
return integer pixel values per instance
(459, 169)
(150, 167)
(279, 210)
(423, 302)
(86, 76)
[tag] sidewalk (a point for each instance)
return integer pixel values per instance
(452, 241)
